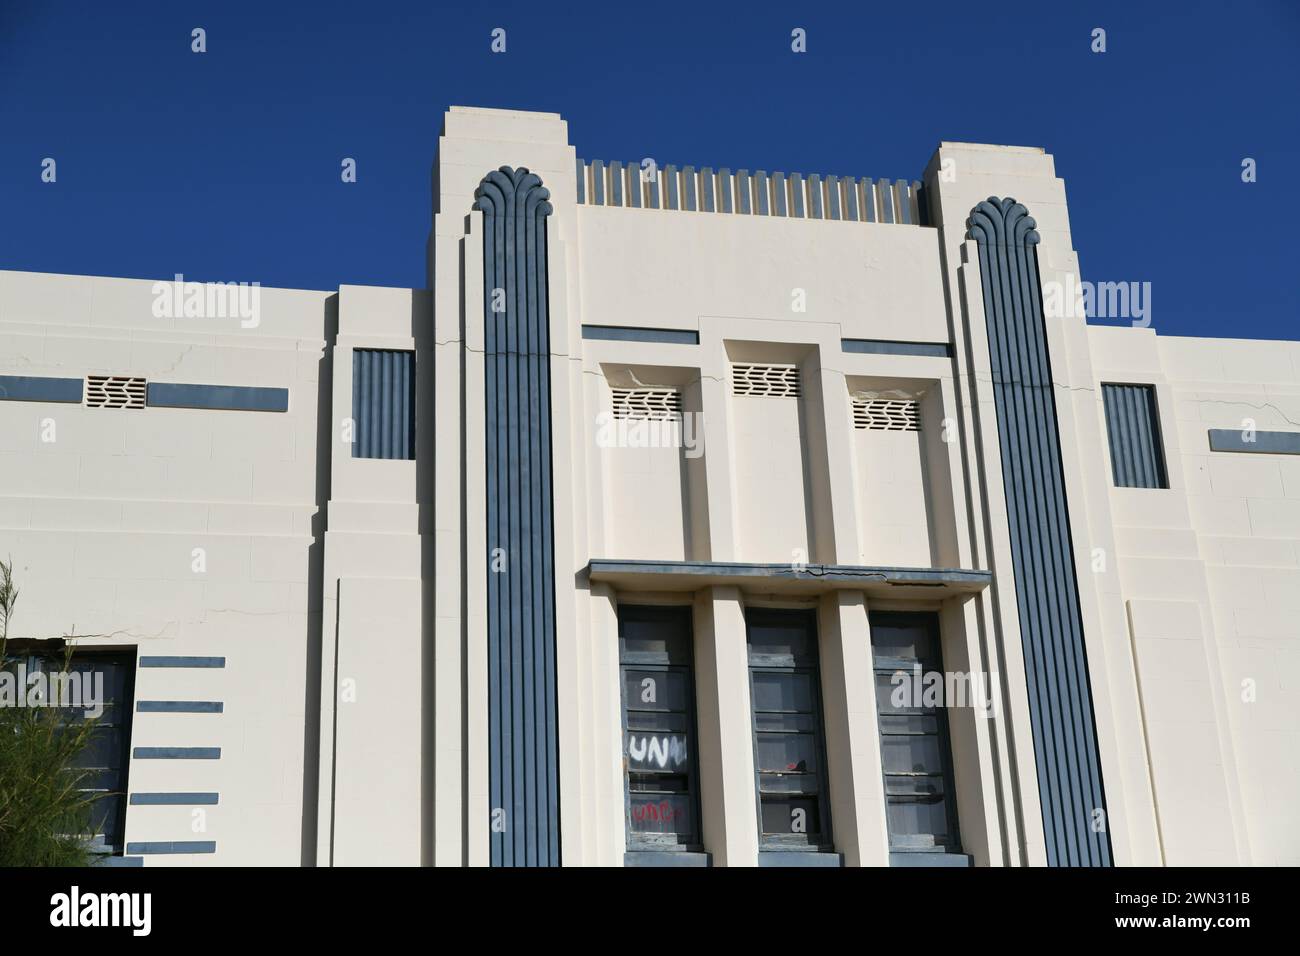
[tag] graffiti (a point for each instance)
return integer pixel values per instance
(661, 812)
(656, 751)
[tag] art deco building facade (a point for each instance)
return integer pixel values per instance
(688, 517)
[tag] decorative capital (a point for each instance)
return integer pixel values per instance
(1002, 222)
(506, 191)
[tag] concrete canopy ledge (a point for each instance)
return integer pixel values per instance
(785, 578)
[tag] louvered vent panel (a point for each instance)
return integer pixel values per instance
(114, 391)
(886, 415)
(770, 381)
(659, 403)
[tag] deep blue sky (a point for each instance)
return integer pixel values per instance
(225, 166)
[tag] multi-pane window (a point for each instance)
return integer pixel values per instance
(99, 687)
(914, 747)
(656, 660)
(788, 747)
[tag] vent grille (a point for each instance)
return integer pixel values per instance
(114, 391)
(886, 415)
(655, 403)
(770, 381)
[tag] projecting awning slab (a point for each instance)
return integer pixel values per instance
(932, 583)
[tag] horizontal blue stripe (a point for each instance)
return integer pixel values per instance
(182, 662)
(1265, 443)
(238, 398)
(622, 333)
(174, 799)
(799, 858)
(666, 858)
(179, 706)
(103, 859)
(33, 388)
(177, 753)
(174, 846)
(897, 858)
(890, 347)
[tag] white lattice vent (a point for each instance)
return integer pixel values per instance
(655, 403)
(886, 415)
(114, 391)
(769, 381)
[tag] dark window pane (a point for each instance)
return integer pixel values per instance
(649, 751)
(658, 782)
(787, 783)
(651, 721)
(910, 786)
(802, 723)
(911, 754)
(910, 641)
(797, 816)
(661, 813)
(793, 641)
(783, 691)
(787, 753)
(908, 724)
(655, 689)
(899, 693)
(917, 818)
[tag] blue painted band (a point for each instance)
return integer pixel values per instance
(799, 858)
(115, 861)
(906, 859)
(175, 799)
(666, 858)
(174, 846)
(179, 707)
(33, 388)
(236, 398)
(888, 347)
(623, 333)
(1265, 443)
(177, 753)
(163, 661)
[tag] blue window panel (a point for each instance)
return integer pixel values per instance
(383, 403)
(779, 195)
(1137, 458)
(762, 198)
(179, 707)
(690, 187)
(237, 398)
(582, 181)
(886, 347)
(814, 196)
(623, 333)
(175, 799)
(707, 185)
(725, 195)
(669, 177)
(177, 753)
(164, 661)
(744, 193)
(1258, 443)
(173, 846)
(1042, 556)
(35, 388)
(523, 735)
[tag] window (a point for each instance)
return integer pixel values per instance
(656, 660)
(789, 754)
(1137, 457)
(914, 748)
(383, 404)
(93, 677)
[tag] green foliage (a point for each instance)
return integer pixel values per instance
(44, 814)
